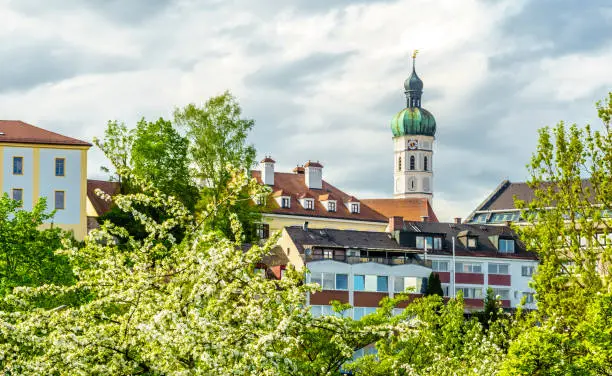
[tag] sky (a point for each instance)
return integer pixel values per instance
(321, 78)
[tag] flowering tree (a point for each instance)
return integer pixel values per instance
(155, 306)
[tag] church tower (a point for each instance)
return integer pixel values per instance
(414, 130)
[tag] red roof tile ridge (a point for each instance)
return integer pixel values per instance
(44, 136)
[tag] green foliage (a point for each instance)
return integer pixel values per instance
(433, 338)
(27, 253)
(569, 228)
(434, 285)
(159, 155)
(218, 138)
(117, 147)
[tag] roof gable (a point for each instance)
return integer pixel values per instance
(16, 131)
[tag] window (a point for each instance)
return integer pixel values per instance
(399, 164)
(331, 206)
(527, 270)
(382, 283)
(431, 242)
(371, 283)
(359, 312)
(470, 292)
(262, 230)
(471, 242)
(330, 281)
(530, 298)
(425, 166)
(328, 254)
(506, 245)
(504, 294)
(439, 266)
(285, 202)
(59, 166)
(400, 284)
(412, 162)
(498, 268)
(480, 218)
(354, 208)
(18, 195)
(465, 267)
(59, 200)
(309, 204)
(341, 281)
(340, 255)
(359, 282)
(446, 290)
(17, 165)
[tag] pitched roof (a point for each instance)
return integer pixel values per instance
(294, 185)
(485, 234)
(268, 160)
(110, 187)
(16, 131)
(411, 209)
(373, 240)
(342, 238)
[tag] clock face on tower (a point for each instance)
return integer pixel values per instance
(412, 144)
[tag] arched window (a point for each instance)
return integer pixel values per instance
(425, 164)
(412, 162)
(399, 164)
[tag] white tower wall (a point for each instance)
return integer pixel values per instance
(417, 182)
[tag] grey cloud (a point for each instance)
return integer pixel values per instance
(120, 11)
(551, 28)
(26, 64)
(299, 74)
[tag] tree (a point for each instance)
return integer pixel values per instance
(27, 253)
(200, 309)
(570, 229)
(117, 147)
(434, 285)
(218, 137)
(434, 338)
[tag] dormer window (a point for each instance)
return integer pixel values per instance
(431, 242)
(472, 242)
(259, 199)
(506, 245)
(285, 202)
(331, 206)
(355, 208)
(308, 204)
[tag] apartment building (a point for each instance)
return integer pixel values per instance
(39, 163)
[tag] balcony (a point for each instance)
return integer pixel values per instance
(377, 257)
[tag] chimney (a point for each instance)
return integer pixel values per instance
(396, 223)
(305, 226)
(424, 218)
(458, 220)
(267, 170)
(313, 175)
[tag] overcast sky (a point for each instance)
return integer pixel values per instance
(322, 78)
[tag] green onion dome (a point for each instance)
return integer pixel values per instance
(413, 121)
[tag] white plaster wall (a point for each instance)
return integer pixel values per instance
(24, 181)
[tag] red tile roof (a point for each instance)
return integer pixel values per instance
(268, 160)
(412, 209)
(16, 131)
(293, 185)
(111, 187)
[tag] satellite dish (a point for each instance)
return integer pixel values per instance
(308, 251)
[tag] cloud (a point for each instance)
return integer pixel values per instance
(300, 74)
(321, 78)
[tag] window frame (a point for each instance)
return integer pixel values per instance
(63, 159)
(354, 208)
(308, 204)
(285, 202)
(13, 190)
(331, 206)
(530, 268)
(470, 266)
(20, 158)
(63, 200)
(437, 263)
(497, 266)
(506, 241)
(412, 163)
(425, 163)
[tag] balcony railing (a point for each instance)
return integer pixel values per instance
(393, 260)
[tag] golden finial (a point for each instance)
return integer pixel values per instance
(414, 54)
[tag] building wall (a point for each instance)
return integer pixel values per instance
(39, 180)
(513, 281)
(365, 298)
(404, 177)
(277, 222)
